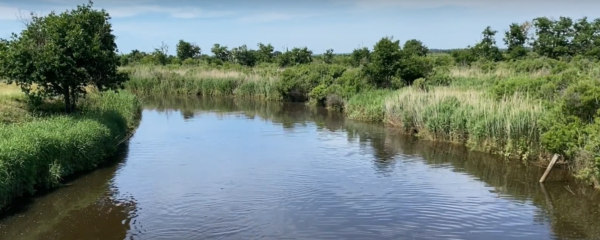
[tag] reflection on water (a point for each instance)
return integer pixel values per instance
(238, 169)
(72, 212)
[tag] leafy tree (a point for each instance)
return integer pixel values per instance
(187, 50)
(487, 48)
(553, 37)
(328, 56)
(161, 54)
(265, 53)
(295, 57)
(586, 38)
(244, 56)
(415, 47)
(413, 67)
(385, 62)
(221, 52)
(515, 39)
(360, 56)
(61, 54)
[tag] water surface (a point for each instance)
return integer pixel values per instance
(225, 169)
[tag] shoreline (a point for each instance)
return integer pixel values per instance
(37, 155)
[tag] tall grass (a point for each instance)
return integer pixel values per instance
(508, 126)
(203, 82)
(38, 154)
(12, 106)
(367, 106)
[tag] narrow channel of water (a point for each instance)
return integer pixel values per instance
(225, 169)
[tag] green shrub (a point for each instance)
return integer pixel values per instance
(581, 99)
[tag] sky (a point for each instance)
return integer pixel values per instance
(341, 25)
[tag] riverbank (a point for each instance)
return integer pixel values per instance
(40, 147)
(526, 109)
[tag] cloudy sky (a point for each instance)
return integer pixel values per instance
(318, 24)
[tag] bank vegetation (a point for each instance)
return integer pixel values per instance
(537, 97)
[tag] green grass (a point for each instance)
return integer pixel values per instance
(367, 106)
(508, 126)
(201, 82)
(38, 153)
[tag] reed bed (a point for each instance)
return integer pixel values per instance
(203, 82)
(367, 106)
(508, 126)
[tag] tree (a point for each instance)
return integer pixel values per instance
(221, 52)
(61, 54)
(295, 57)
(328, 56)
(161, 54)
(553, 37)
(244, 56)
(487, 48)
(415, 47)
(187, 50)
(265, 53)
(515, 39)
(360, 56)
(586, 38)
(385, 62)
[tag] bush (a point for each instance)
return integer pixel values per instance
(581, 99)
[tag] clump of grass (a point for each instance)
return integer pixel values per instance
(202, 82)
(508, 126)
(367, 106)
(13, 107)
(38, 154)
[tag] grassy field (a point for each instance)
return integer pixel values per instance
(39, 147)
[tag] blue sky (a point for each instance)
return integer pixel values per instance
(317, 24)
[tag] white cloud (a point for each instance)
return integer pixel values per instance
(191, 12)
(267, 17)
(583, 7)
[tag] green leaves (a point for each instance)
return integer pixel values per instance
(187, 50)
(515, 39)
(62, 54)
(388, 63)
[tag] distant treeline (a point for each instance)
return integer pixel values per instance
(541, 37)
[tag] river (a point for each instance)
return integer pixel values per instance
(238, 169)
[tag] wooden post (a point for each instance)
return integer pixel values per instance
(549, 168)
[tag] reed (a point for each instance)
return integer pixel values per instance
(508, 126)
(367, 106)
(203, 82)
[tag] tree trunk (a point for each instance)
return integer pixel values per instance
(67, 96)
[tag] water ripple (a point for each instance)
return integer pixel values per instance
(227, 176)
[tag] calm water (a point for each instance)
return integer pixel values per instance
(223, 169)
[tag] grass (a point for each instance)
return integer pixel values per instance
(508, 126)
(38, 151)
(202, 82)
(367, 106)
(12, 105)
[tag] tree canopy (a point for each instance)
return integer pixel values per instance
(62, 54)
